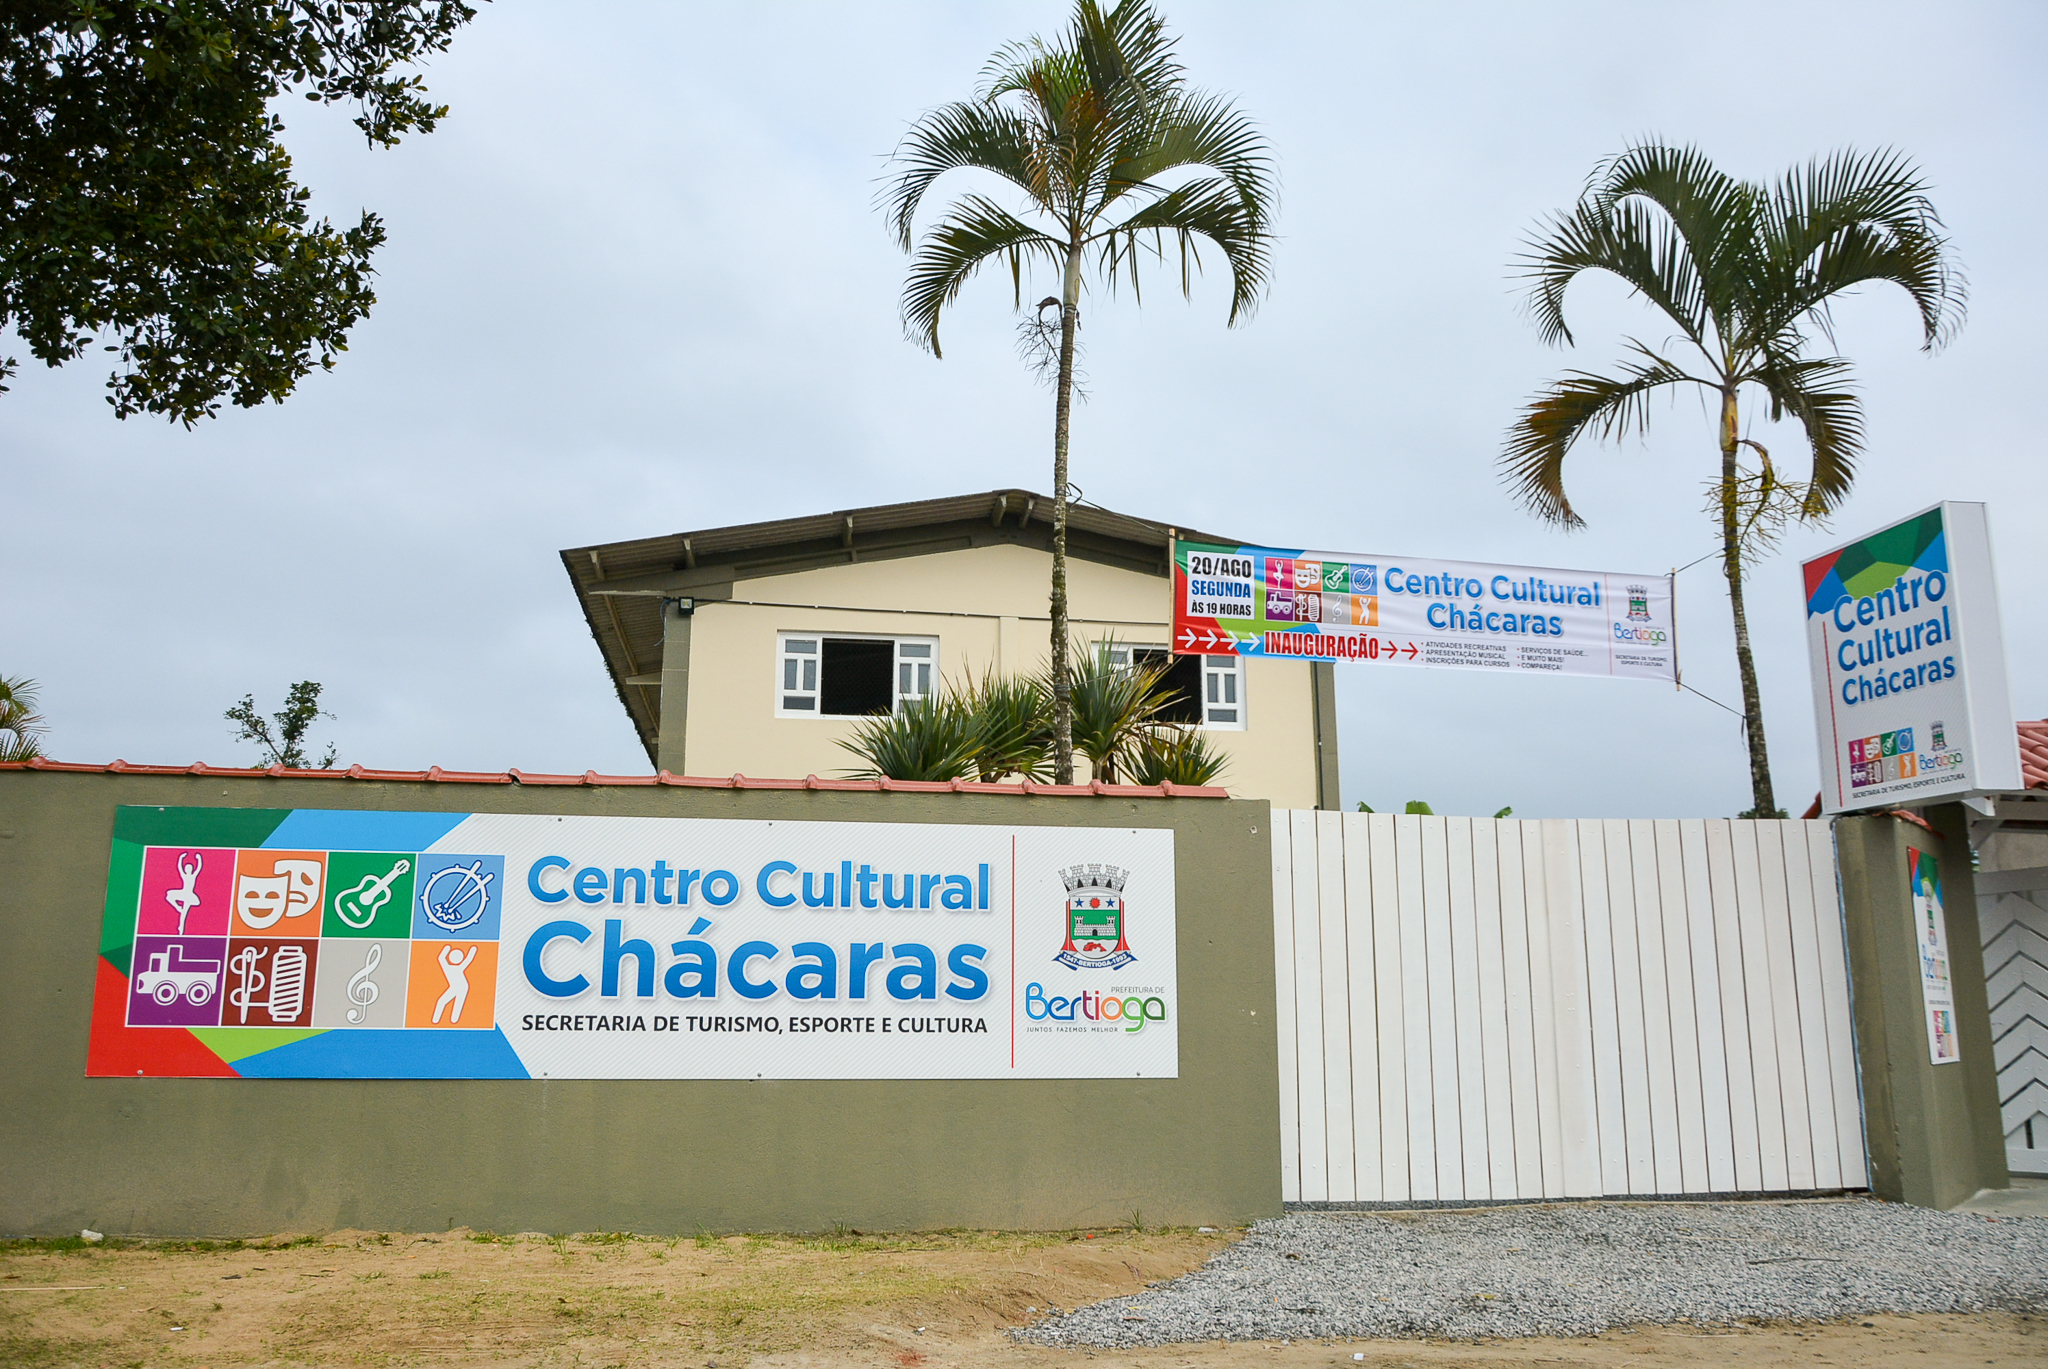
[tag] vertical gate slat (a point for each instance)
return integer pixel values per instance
(1577, 1107)
(1644, 866)
(1390, 971)
(1308, 991)
(1469, 1011)
(1359, 941)
(1640, 1147)
(1685, 1031)
(1422, 1169)
(1704, 858)
(1735, 1020)
(1290, 1019)
(1763, 1016)
(1336, 990)
(1517, 893)
(1812, 1003)
(1786, 1038)
(1601, 1007)
(1443, 1009)
(1846, 1093)
(1499, 1139)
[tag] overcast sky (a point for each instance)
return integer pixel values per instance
(636, 284)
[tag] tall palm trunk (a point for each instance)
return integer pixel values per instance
(1062, 677)
(1731, 566)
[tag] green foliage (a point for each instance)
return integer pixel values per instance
(932, 739)
(283, 735)
(21, 727)
(997, 727)
(1173, 755)
(145, 199)
(1012, 719)
(1114, 705)
(1771, 813)
(1417, 807)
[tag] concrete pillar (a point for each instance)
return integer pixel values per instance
(1934, 1131)
(1322, 683)
(675, 687)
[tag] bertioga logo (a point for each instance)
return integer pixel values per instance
(1098, 937)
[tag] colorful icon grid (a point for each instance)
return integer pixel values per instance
(1882, 759)
(315, 940)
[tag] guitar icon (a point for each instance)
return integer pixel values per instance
(358, 906)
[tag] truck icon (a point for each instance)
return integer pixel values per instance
(170, 974)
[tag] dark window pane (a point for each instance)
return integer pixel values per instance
(1183, 684)
(856, 677)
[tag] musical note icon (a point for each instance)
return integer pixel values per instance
(187, 898)
(358, 906)
(362, 990)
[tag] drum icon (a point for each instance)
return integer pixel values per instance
(455, 897)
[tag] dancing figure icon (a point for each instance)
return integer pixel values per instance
(455, 897)
(455, 969)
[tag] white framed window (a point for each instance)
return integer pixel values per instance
(1208, 690)
(851, 675)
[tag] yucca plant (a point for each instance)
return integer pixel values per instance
(21, 727)
(1113, 704)
(1173, 755)
(932, 739)
(1012, 720)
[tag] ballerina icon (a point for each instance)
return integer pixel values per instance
(185, 899)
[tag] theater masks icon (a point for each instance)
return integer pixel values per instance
(293, 891)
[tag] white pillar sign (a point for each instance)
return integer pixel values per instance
(1911, 699)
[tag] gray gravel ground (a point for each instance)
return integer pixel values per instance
(1572, 1270)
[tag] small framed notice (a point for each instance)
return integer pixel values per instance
(1930, 927)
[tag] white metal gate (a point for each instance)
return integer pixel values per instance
(1475, 1009)
(2012, 912)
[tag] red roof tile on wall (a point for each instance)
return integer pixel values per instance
(2034, 754)
(590, 777)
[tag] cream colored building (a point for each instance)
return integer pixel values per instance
(753, 649)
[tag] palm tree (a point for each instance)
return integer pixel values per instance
(1084, 127)
(1743, 271)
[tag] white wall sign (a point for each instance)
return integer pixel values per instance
(490, 945)
(1911, 698)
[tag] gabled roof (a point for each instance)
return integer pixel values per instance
(621, 584)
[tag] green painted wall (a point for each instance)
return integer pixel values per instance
(1934, 1131)
(250, 1157)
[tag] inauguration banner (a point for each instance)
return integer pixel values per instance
(1907, 656)
(320, 944)
(1408, 610)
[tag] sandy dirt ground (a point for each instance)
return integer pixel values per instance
(936, 1300)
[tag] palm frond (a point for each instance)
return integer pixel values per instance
(1196, 130)
(932, 739)
(1642, 249)
(1533, 461)
(1816, 392)
(1854, 218)
(1173, 755)
(1711, 213)
(973, 231)
(960, 136)
(1209, 207)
